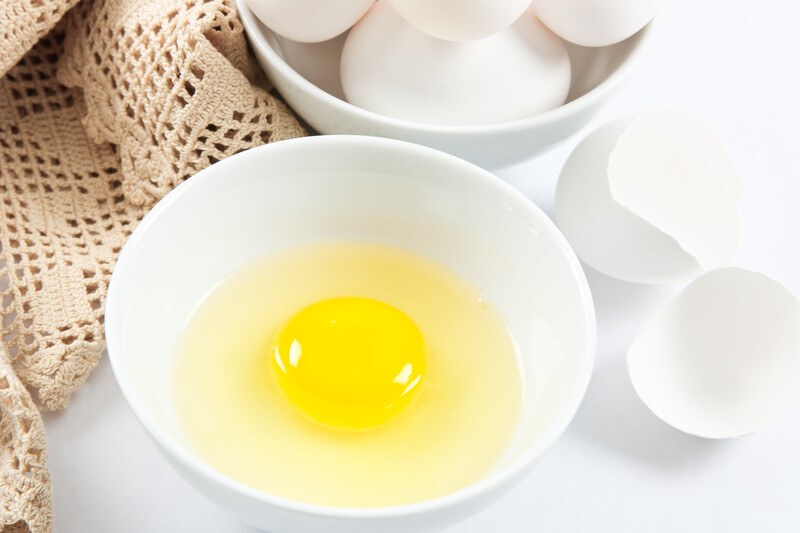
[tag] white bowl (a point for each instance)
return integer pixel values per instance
(351, 187)
(307, 76)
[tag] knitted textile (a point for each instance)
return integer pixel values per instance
(116, 103)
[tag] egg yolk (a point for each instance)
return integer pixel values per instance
(349, 363)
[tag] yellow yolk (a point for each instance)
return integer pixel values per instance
(349, 363)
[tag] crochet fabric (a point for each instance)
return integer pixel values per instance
(116, 103)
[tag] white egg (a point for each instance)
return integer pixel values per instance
(309, 21)
(390, 67)
(651, 199)
(722, 359)
(461, 20)
(595, 22)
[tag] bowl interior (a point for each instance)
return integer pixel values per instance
(318, 63)
(352, 188)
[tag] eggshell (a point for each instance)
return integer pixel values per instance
(309, 21)
(651, 199)
(391, 68)
(722, 359)
(604, 234)
(595, 22)
(672, 170)
(461, 20)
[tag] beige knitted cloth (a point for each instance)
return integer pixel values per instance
(116, 103)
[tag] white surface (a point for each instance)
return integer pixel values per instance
(618, 468)
(364, 188)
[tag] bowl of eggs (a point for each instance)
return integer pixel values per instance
(494, 83)
(350, 334)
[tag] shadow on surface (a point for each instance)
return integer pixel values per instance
(612, 414)
(632, 303)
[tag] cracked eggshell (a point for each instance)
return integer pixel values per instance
(722, 360)
(595, 22)
(390, 67)
(651, 199)
(461, 20)
(604, 234)
(672, 170)
(309, 21)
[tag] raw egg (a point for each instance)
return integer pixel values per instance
(348, 374)
(350, 363)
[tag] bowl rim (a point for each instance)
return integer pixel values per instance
(485, 485)
(259, 41)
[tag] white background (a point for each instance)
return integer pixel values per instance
(618, 468)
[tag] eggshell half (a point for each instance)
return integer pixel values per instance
(595, 22)
(309, 21)
(672, 170)
(461, 20)
(390, 67)
(722, 359)
(604, 234)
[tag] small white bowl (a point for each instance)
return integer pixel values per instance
(351, 187)
(318, 99)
